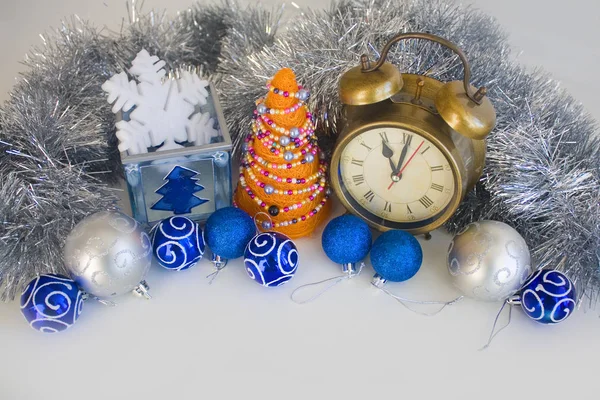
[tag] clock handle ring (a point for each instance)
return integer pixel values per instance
(475, 97)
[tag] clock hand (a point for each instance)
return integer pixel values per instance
(401, 161)
(408, 162)
(388, 153)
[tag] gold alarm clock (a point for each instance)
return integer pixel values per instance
(410, 146)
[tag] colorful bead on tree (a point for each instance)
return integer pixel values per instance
(280, 173)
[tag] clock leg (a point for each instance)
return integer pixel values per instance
(427, 236)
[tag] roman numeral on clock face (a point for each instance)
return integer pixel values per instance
(369, 196)
(387, 207)
(406, 138)
(437, 168)
(365, 145)
(426, 201)
(384, 136)
(358, 179)
(408, 210)
(437, 187)
(357, 162)
(423, 152)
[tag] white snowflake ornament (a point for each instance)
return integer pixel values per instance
(202, 129)
(163, 112)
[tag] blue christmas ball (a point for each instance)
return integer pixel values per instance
(51, 303)
(271, 259)
(346, 239)
(396, 256)
(548, 296)
(228, 231)
(178, 243)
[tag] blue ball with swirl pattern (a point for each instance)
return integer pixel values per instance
(178, 243)
(271, 259)
(548, 296)
(51, 303)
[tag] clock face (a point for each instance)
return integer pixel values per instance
(397, 176)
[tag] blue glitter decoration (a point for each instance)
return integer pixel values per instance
(178, 243)
(228, 231)
(51, 303)
(346, 239)
(178, 192)
(271, 259)
(396, 256)
(548, 296)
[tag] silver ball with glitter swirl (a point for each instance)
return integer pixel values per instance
(489, 261)
(109, 254)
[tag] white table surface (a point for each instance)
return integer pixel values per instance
(235, 339)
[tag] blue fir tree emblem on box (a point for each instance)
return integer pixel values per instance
(174, 143)
(178, 192)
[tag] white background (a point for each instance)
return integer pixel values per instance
(235, 339)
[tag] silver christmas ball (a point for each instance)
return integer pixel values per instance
(269, 189)
(309, 158)
(108, 254)
(288, 156)
(489, 261)
(261, 108)
(284, 140)
(303, 94)
(294, 132)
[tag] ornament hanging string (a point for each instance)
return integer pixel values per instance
(107, 303)
(258, 224)
(404, 300)
(213, 275)
(493, 333)
(86, 296)
(334, 281)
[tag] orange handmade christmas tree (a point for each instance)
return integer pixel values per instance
(281, 174)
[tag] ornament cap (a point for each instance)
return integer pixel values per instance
(219, 262)
(143, 290)
(514, 300)
(464, 115)
(349, 269)
(359, 88)
(378, 281)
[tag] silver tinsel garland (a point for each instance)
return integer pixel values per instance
(57, 131)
